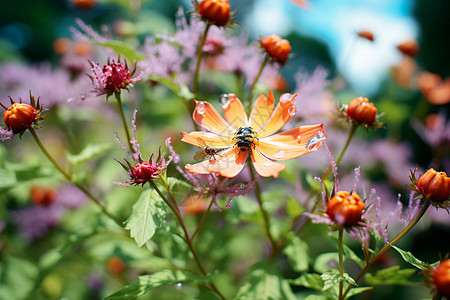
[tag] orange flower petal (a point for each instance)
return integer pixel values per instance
(282, 113)
(264, 166)
(211, 140)
(293, 143)
(227, 164)
(207, 116)
(234, 112)
(262, 110)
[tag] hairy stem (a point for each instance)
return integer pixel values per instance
(69, 178)
(341, 260)
(187, 239)
(124, 120)
(261, 207)
(199, 57)
(399, 236)
(202, 220)
(252, 87)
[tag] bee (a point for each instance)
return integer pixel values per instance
(206, 151)
(245, 138)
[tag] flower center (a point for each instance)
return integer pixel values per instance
(245, 137)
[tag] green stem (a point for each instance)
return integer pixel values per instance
(69, 178)
(124, 120)
(199, 58)
(252, 87)
(341, 261)
(261, 207)
(202, 220)
(187, 239)
(399, 236)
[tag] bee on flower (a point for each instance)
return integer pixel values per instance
(254, 138)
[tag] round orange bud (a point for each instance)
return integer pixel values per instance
(115, 265)
(42, 196)
(83, 4)
(409, 48)
(434, 185)
(215, 11)
(276, 47)
(82, 48)
(427, 81)
(361, 111)
(441, 278)
(366, 34)
(61, 45)
(345, 209)
(19, 116)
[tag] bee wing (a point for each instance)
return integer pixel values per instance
(201, 142)
(199, 155)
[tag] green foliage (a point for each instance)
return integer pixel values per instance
(89, 152)
(409, 258)
(332, 278)
(18, 276)
(293, 208)
(265, 282)
(312, 281)
(147, 215)
(12, 175)
(181, 90)
(296, 251)
(147, 282)
(391, 276)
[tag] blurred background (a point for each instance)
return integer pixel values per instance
(322, 33)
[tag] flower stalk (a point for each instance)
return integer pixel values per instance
(202, 220)
(341, 261)
(398, 237)
(252, 87)
(199, 57)
(124, 120)
(69, 178)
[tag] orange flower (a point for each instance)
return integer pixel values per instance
(434, 185)
(345, 209)
(236, 137)
(215, 11)
(361, 111)
(441, 278)
(277, 48)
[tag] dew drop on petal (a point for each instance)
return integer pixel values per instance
(285, 98)
(200, 108)
(241, 185)
(279, 154)
(223, 99)
(316, 141)
(292, 110)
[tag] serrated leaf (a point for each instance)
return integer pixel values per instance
(122, 48)
(147, 282)
(265, 283)
(391, 276)
(91, 151)
(312, 281)
(296, 251)
(358, 290)
(179, 89)
(409, 258)
(147, 215)
(293, 208)
(331, 278)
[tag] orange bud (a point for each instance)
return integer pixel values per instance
(345, 209)
(115, 265)
(409, 48)
(215, 11)
(427, 81)
(434, 185)
(441, 278)
(83, 4)
(362, 111)
(19, 116)
(42, 196)
(61, 45)
(366, 34)
(82, 48)
(440, 94)
(276, 47)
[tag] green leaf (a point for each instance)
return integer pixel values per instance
(391, 276)
(18, 277)
(325, 261)
(7, 179)
(312, 281)
(348, 253)
(293, 208)
(147, 282)
(206, 294)
(122, 48)
(91, 151)
(296, 251)
(331, 278)
(358, 290)
(409, 258)
(147, 215)
(265, 283)
(179, 89)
